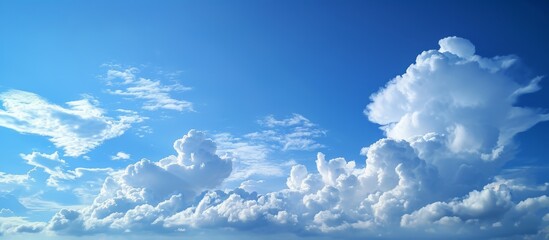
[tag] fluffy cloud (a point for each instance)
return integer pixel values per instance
(249, 158)
(50, 164)
(487, 213)
(449, 120)
(139, 196)
(59, 177)
(76, 129)
(121, 156)
(154, 94)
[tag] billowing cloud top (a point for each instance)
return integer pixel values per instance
(166, 185)
(467, 98)
(449, 120)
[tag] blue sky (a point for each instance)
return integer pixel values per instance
(313, 119)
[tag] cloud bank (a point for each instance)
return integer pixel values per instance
(449, 121)
(136, 197)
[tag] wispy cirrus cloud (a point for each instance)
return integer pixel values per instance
(154, 94)
(253, 154)
(6, 178)
(292, 133)
(58, 175)
(440, 133)
(12, 225)
(77, 128)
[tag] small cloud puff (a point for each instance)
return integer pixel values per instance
(467, 98)
(121, 156)
(58, 176)
(461, 47)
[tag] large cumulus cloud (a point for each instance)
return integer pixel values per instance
(140, 195)
(449, 121)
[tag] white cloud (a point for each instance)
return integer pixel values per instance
(12, 225)
(121, 156)
(253, 153)
(450, 121)
(62, 179)
(249, 158)
(36, 203)
(140, 195)
(77, 129)
(461, 47)
(293, 133)
(251, 185)
(154, 94)
(486, 213)
(6, 178)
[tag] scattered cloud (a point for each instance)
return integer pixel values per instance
(138, 195)
(121, 156)
(449, 121)
(77, 129)
(6, 178)
(253, 153)
(248, 158)
(293, 133)
(62, 179)
(142, 131)
(251, 185)
(154, 94)
(49, 163)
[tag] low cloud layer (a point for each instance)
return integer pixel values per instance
(449, 123)
(134, 198)
(77, 129)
